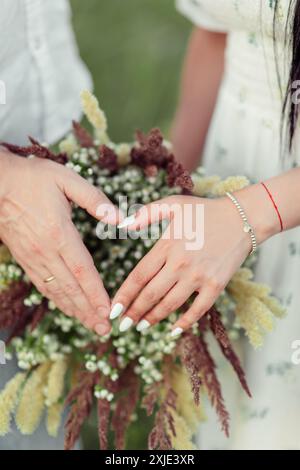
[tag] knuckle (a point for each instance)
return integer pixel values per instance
(167, 306)
(138, 277)
(149, 296)
(197, 277)
(214, 283)
(155, 316)
(89, 322)
(56, 291)
(92, 197)
(70, 289)
(79, 270)
(95, 297)
(181, 264)
(36, 248)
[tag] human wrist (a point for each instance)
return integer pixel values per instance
(260, 211)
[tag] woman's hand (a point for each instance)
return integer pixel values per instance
(177, 267)
(36, 226)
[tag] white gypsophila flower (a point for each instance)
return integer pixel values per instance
(91, 366)
(24, 365)
(114, 376)
(51, 305)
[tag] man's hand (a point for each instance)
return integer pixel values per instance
(36, 226)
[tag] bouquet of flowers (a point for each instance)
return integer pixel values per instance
(64, 365)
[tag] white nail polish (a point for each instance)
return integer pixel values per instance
(116, 311)
(128, 221)
(143, 325)
(176, 332)
(125, 324)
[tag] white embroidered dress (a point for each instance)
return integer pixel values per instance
(244, 138)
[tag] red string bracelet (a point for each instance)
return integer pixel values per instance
(275, 206)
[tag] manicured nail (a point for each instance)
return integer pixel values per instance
(116, 311)
(128, 221)
(125, 324)
(101, 329)
(176, 332)
(143, 325)
(108, 214)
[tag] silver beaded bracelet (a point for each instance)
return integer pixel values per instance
(247, 226)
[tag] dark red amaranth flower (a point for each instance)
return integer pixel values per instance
(160, 436)
(31, 318)
(218, 328)
(36, 149)
(151, 152)
(18, 150)
(151, 397)
(211, 383)
(103, 412)
(125, 406)
(38, 314)
(82, 135)
(104, 408)
(188, 352)
(178, 176)
(221, 336)
(80, 400)
(12, 308)
(108, 159)
(43, 152)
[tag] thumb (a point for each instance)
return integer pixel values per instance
(88, 197)
(149, 214)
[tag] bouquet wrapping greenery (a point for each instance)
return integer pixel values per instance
(64, 365)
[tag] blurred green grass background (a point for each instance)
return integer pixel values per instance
(134, 50)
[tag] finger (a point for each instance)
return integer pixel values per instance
(174, 299)
(65, 285)
(149, 214)
(87, 196)
(44, 268)
(81, 265)
(153, 292)
(52, 290)
(203, 302)
(147, 268)
(62, 301)
(38, 282)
